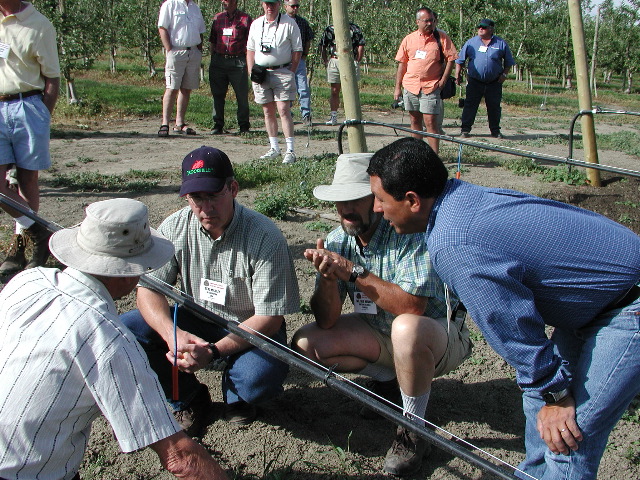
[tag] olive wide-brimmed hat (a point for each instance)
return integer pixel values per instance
(114, 240)
(350, 180)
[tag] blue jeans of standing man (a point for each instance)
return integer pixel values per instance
(604, 360)
(304, 93)
(492, 93)
(251, 375)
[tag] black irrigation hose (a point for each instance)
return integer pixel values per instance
(279, 352)
(493, 147)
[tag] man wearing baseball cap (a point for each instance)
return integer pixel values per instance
(236, 263)
(399, 333)
(66, 357)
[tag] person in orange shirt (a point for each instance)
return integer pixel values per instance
(425, 60)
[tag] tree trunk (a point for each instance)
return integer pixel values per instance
(592, 79)
(112, 58)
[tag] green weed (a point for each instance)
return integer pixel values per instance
(523, 166)
(275, 205)
(562, 173)
(346, 465)
(85, 160)
(133, 181)
(318, 226)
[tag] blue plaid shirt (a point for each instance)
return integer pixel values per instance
(399, 259)
(520, 262)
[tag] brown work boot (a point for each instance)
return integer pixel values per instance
(193, 419)
(15, 259)
(39, 238)
(240, 413)
(388, 390)
(406, 453)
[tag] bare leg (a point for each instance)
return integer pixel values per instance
(168, 100)
(416, 124)
(28, 191)
(183, 101)
(270, 121)
(334, 100)
(284, 110)
(431, 123)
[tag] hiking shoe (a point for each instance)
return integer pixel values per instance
(406, 453)
(39, 238)
(388, 390)
(193, 419)
(240, 413)
(306, 121)
(272, 153)
(333, 119)
(497, 135)
(15, 259)
(289, 157)
(217, 131)
(465, 134)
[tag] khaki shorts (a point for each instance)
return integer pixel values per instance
(333, 72)
(458, 347)
(280, 85)
(182, 69)
(428, 104)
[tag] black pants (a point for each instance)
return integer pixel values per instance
(492, 93)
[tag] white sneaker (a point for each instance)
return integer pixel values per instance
(333, 119)
(289, 157)
(272, 153)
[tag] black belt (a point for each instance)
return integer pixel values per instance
(275, 67)
(182, 48)
(17, 96)
(628, 298)
(224, 55)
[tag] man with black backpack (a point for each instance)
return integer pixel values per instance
(425, 60)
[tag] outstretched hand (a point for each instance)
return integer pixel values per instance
(193, 352)
(329, 264)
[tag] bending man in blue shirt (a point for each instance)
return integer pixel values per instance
(519, 263)
(490, 61)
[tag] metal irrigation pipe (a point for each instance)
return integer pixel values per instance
(592, 112)
(281, 353)
(492, 147)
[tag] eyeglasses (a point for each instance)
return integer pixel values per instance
(427, 20)
(295, 6)
(199, 200)
(480, 27)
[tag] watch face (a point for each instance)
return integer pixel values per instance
(358, 269)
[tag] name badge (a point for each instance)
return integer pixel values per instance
(211, 291)
(4, 50)
(421, 54)
(363, 304)
(482, 48)
(227, 32)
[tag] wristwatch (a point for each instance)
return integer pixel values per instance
(551, 398)
(215, 353)
(356, 271)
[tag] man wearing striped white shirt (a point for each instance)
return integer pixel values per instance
(66, 357)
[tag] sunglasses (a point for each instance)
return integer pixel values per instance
(294, 6)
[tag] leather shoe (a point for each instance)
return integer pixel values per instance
(193, 419)
(217, 131)
(240, 413)
(406, 453)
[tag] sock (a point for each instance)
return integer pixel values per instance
(289, 142)
(334, 113)
(378, 372)
(415, 406)
(22, 223)
(273, 141)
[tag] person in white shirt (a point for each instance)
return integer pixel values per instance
(181, 26)
(66, 357)
(275, 44)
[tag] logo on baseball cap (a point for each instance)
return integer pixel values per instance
(205, 170)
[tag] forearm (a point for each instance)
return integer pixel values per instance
(360, 53)
(447, 71)
(186, 459)
(51, 91)
(389, 296)
(268, 325)
(164, 38)
(325, 303)
(402, 69)
(251, 59)
(154, 308)
(295, 60)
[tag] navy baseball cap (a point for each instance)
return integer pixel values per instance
(206, 169)
(485, 22)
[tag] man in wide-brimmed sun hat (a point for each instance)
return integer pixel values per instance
(399, 322)
(66, 357)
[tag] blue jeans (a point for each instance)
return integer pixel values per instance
(492, 93)
(604, 360)
(304, 93)
(251, 375)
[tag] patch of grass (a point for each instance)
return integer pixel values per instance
(133, 181)
(523, 166)
(274, 205)
(346, 466)
(318, 226)
(85, 160)
(562, 173)
(629, 203)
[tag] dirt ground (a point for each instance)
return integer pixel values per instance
(311, 431)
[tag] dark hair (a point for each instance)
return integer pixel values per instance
(409, 165)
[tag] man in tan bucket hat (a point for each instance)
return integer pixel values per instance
(400, 314)
(67, 357)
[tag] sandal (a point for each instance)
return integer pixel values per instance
(164, 131)
(184, 129)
